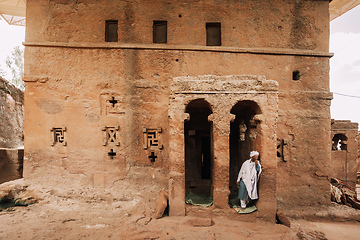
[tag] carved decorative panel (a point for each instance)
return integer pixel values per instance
(111, 135)
(58, 136)
(111, 104)
(152, 139)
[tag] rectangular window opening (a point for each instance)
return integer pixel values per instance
(213, 34)
(111, 31)
(160, 32)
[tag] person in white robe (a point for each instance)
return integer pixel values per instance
(248, 178)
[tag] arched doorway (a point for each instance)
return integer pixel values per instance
(198, 148)
(244, 137)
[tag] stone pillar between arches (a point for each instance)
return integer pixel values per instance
(221, 131)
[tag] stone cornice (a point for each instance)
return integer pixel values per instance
(190, 48)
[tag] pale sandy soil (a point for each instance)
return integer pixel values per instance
(334, 230)
(126, 212)
(72, 219)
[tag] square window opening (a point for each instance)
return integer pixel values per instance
(213, 34)
(111, 31)
(160, 32)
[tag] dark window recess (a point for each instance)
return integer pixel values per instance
(296, 75)
(213, 34)
(111, 31)
(339, 142)
(160, 32)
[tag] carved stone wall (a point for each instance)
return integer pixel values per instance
(344, 151)
(11, 131)
(358, 157)
(222, 93)
(11, 164)
(11, 115)
(78, 81)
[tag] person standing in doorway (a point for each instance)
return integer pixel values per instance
(248, 178)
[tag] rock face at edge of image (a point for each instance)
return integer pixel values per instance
(11, 131)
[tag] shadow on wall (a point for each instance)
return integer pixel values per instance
(11, 164)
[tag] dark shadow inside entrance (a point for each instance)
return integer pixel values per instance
(198, 148)
(243, 138)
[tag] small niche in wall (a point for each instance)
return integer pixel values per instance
(111, 31)
(160, 32)
(213, 34)
(296, 75)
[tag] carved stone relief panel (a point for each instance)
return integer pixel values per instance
(152, 139)
(57, 135)
(111, 135)
(111, 139)
(111, 104)
(152, 143)
(254, 122)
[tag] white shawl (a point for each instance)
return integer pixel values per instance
(250, 177)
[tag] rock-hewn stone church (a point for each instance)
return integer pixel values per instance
(190, 87)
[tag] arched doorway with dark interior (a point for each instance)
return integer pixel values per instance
(339, 142)
(198, 148)
(244, 138)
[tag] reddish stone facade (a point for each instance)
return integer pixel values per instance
(358, 168)
(358, 157)
(187, 86)
(344, 151)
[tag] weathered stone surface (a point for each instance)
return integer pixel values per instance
(344, 152)
(313, 235)
(11, 164)
(11, 131)
(162, 203)
(200, 222)
(197, 95)
(144, 220)
(282, 218)
(18, 192)
(358, 157)
(11, 115)
(176, 197)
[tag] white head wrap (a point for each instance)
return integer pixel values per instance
(253, 153)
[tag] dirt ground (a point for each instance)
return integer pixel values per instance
(123, 212)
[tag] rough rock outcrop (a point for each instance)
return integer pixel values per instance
(11, 131)
(11, 115)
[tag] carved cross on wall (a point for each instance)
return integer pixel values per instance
(111, 154)
(281, 144)
(113, 101)
(152, 157)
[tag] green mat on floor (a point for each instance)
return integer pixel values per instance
(234, 202)
(198, 199)
(249, 209)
